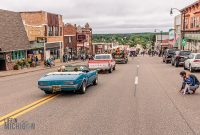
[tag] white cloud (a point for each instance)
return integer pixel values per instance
(107, 16)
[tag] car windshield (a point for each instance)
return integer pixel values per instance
(75, 68)
(183, 53)
(118, 56)
(102, 57)
(197, 56)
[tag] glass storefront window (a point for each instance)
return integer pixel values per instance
(17, 55)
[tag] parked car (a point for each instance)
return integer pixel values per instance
(167, 57)
(71, 78)
(179, 57)
(193, 62)
(102, 62)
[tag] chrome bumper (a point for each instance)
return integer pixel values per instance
(61, 86)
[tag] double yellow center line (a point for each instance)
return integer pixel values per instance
(27, 108)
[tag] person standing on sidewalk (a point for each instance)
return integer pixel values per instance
(36, 60)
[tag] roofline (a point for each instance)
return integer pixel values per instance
(190, 5)
(41, 11)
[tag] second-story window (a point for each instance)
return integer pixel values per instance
(50, 32)
(60, 31)
(56, 31)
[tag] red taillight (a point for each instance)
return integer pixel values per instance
(196, 61)
(178, 56)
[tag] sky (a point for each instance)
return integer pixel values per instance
(107, 16)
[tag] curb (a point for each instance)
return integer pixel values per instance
(1, 76)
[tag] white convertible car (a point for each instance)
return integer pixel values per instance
(193, 62)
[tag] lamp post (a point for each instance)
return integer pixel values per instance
(184, 13)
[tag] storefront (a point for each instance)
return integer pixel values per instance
(54, 51)
(192, 42)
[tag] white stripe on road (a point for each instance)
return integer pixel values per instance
(136, 80)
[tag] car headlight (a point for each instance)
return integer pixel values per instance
(68, 82)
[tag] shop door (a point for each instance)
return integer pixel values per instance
(2, 65)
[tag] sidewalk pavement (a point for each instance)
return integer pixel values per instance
(33, 69)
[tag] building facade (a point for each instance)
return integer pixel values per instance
(45, 34)
(84, 40)
(13, 39)
(70, 40)
(192, 26)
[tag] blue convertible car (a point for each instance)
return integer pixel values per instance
(69, 78)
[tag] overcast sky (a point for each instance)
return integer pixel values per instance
(107, 16)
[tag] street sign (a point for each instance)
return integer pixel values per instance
(81, 37)
(183, 42)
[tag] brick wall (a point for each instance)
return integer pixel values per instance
(34, 23)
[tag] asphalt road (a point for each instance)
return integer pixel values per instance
(139, 98)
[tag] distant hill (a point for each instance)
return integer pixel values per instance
(131, 39)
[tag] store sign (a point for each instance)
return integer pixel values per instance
(171, 34)
(81, 37)
(193, 36)
(41, 39)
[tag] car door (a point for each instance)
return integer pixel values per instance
(89, 74)
(188, 61)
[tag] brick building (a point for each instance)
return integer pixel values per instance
(70, 40)
(45, 33)
(192, 26)
(85, 45)
(13, 39)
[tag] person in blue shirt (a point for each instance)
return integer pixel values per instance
(190, 83)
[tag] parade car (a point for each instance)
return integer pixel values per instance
(103, 62)
(68, 78)
(120, 56)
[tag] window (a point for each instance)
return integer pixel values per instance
(191, 56)
(60, 31)
(50, 33)
(18, 55)
(197, 56)
(56, 31)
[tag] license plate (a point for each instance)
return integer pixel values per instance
(56, 88)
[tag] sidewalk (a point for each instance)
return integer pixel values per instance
(38, 68)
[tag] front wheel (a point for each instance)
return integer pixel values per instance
(176, 64)
(110, 70)
(184, 67)
(191, 69)
(95, 81)
(114, 68)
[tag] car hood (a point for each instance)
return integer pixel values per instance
(61, 76)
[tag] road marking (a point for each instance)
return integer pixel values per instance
(136, 80)
(27, 108)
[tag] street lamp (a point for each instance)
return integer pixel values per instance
(184, 13)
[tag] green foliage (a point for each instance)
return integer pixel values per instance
(143, 39)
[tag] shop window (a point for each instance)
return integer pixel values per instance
(18, 55)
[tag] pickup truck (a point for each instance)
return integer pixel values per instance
(103, 62)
